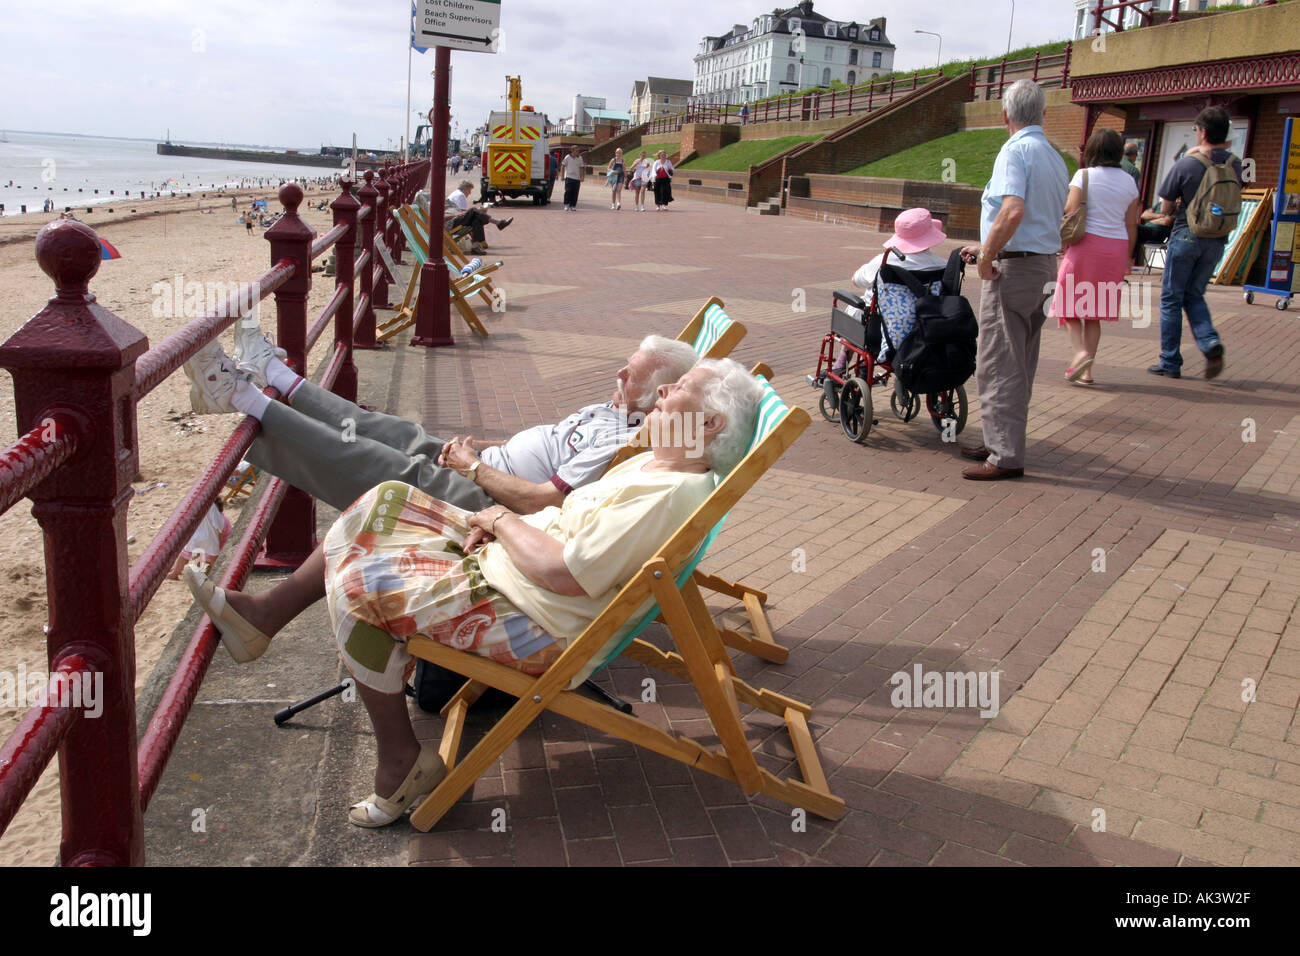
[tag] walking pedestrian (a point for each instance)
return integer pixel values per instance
(614, 179)
(571, 167)
(1195, 242)
(640, 179)
(1090, 280)
(1020, 233)
(661, 174)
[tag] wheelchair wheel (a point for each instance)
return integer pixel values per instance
(830, 401)
(903, 403)
(949, 406)
(855, 409)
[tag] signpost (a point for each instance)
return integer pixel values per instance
(460, 24)
(446, 25)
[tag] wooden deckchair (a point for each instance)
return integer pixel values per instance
(415, 226)
(665, 583)
(713, 334)
(460, 286)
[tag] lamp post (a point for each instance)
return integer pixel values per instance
(1010, 25)
(939, 61)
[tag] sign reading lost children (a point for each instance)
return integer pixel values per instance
(459, 24)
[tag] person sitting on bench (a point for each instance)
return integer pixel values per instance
(458, 212)
(511, 588)
(336, 451)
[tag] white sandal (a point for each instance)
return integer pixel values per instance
(244, 642)
(376, 811)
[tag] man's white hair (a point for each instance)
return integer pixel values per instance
(672, 359)
(734, 393)
(1025, 102)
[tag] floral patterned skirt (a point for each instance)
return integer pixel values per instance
(394, 567)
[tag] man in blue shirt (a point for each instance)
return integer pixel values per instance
(1020, 234)
(1190, 259)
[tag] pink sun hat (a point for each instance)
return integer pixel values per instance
(915, 230)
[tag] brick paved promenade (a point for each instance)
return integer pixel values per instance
(1129, 589)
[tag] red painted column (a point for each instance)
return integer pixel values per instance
(77, 356)
(396, 197)
(363, 337)
(345, 211)
(382, 205)
(433, 312)
(292, 536)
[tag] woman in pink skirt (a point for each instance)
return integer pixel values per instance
(1090, 283)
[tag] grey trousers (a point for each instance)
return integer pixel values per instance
(1011, 320)
(312, 446)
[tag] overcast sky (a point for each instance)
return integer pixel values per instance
(298, 74)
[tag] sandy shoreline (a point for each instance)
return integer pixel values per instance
(160, 240)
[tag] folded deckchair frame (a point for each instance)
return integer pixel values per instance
(701, 658)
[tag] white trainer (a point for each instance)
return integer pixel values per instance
(212, 385)
(253, 350)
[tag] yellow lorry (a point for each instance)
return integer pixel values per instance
(516, 158)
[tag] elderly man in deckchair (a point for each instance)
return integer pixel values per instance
(337, 451)
(516, 589)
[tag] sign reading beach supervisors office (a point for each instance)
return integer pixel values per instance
(459, 24)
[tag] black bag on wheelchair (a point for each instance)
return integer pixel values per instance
(939, 353)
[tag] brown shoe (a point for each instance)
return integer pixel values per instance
(987, 472)
(974, 452)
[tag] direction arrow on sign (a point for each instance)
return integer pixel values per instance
(460, 24)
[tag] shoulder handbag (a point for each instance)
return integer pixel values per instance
(1074, 225)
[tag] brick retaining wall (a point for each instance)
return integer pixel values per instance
(875, 202)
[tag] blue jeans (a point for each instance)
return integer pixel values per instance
(1189, 263)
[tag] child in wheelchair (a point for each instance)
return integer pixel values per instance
(866, 331)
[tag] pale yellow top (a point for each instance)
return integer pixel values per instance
(609, 529)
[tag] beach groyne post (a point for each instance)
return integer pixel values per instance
(292, 535)
(345, 214)
(363, 336)
(74, 363)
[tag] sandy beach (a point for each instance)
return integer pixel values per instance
(158, 240)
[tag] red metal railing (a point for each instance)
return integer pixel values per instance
(79, 371)
(1050, 72)
(1142, 9)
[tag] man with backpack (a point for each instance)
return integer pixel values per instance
(1203, 194)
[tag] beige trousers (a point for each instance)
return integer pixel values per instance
(1012, 311)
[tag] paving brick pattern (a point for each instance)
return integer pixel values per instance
(1128, 591)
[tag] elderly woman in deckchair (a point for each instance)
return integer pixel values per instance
(513, 588)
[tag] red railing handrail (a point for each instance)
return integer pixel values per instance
(105, 819)
(159, 738)
(175, 350)
(35, 456)
(328, 239)
(148, 572)
(29, 749)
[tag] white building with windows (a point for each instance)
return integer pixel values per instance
(789, 50)
(1084, 20)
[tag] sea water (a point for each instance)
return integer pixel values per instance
(69, 168)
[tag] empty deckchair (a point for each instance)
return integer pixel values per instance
(664, 587)
(460, 286)
(451, 251)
